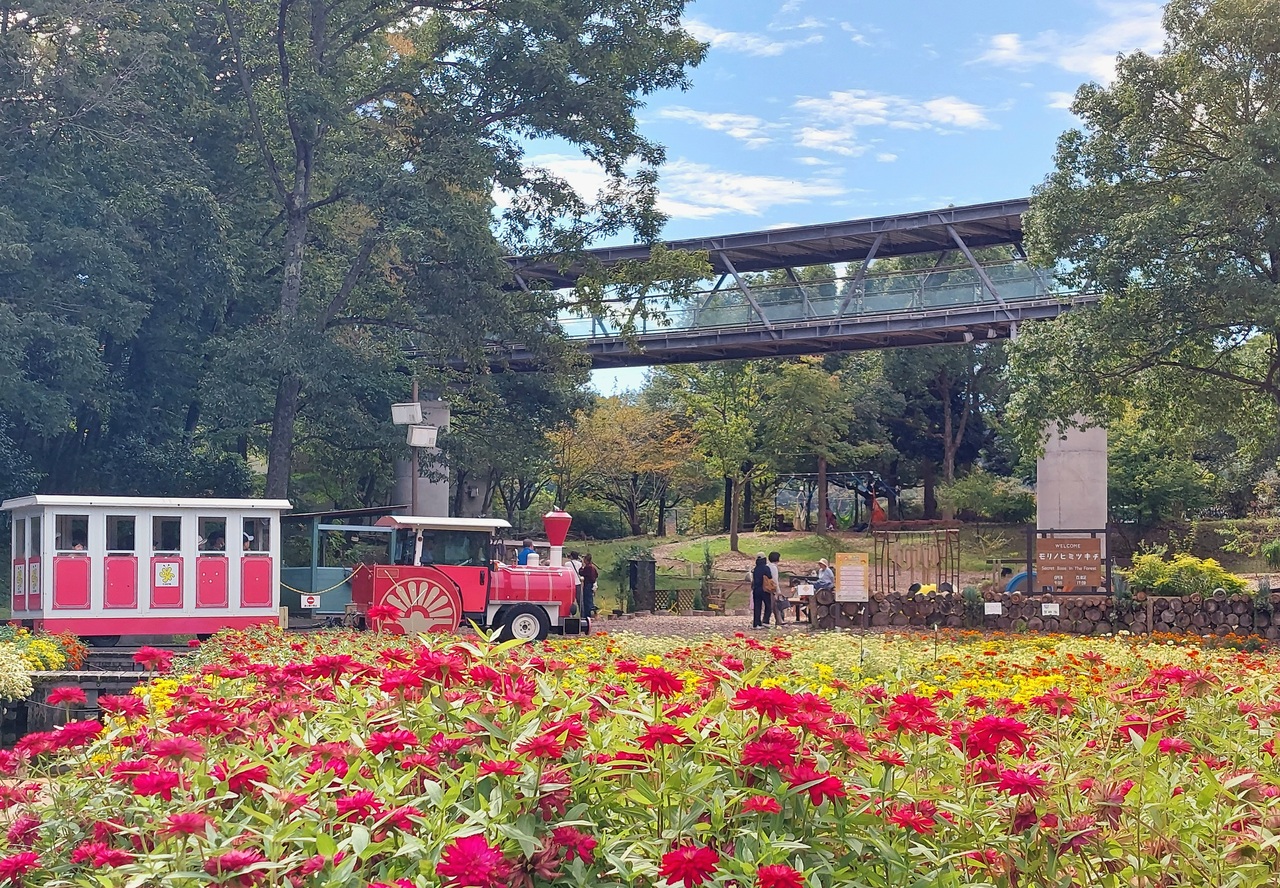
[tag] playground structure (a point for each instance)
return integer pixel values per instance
(105, 566)
(915, 558)
(857, 508)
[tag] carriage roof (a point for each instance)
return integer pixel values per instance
(42, 500)
(429, 523)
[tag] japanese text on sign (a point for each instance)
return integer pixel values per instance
(853, 576)
(1069, 562)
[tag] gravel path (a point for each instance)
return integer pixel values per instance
(666, 624)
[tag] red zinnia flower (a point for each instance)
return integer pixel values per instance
(24, 831)
(761, 804)
(186, 823)
(380, 612)
(575, 843)
(772, 703)
(177, 749)
(505, 768)
(917, 816)
(232, 862)
(359, 806)
(659, 681)
(471, 862)
(1174, 745)
(541, 746)
(66, 694)
(689, 864)
(819, 784)
(398, 740)
(153, 658)
(1055, 702)
(100, 854)
(1022, 781)
(891, 758)
(159, 782)
(778, 875)
(664, 734)
(13, 867)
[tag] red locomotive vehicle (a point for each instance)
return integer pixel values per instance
(444, 575)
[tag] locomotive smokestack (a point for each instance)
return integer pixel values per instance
(556, 524)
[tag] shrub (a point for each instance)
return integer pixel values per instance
(1184, 575)
(990, 497)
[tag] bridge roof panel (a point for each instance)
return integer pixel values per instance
(979, 225)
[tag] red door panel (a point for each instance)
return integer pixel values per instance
(121, 589)
(166, 581)
(211, 581)
(71, 582)
(19, 585)
(255, 581)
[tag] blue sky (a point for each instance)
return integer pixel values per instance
(812, 111)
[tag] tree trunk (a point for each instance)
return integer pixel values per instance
(822, 495)
(289, 390)
(728, 503)
(735, 510)
(748, 497)
(661, 529)
(927, 473)
(280, 444)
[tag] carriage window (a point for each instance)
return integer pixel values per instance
(36, 537)
(120, 533)
(213, 534)
(257, 534)
(19, 549)
(166, 534)
(72, 532)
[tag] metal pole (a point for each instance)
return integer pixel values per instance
(413, 464)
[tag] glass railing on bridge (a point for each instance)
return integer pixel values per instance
(790, 302)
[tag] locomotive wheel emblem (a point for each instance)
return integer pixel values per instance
(428, 604)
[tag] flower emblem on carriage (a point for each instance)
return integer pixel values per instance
(426, 604)
(166, 575)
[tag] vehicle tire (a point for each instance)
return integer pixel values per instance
(526, 622)
(102, 641)
(203, 636)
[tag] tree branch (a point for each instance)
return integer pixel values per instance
(349, 281)
(255, 119)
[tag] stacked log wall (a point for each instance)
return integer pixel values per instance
(1217, 614)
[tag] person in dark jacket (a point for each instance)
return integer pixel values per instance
(761, 600)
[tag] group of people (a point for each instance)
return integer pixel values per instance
(767, 597)
(584, 571)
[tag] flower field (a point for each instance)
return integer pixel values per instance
(824, 760)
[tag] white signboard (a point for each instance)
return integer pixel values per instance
(853, 576)
(310, 601)
(168, 574)
(1049, 610)
(993, 608)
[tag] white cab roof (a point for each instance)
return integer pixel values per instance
(425, 523)
(144, 502)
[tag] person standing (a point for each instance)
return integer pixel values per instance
(575, 564)
(590, 573)
(779, 599)
(761, 596)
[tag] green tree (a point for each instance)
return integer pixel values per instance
(1167, 201)
(1152, 475)
(378, 131)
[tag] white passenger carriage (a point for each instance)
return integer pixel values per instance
(106, 566)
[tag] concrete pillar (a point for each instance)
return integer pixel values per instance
(1071, 480)
(433, 487)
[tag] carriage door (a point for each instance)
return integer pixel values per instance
(120, 571)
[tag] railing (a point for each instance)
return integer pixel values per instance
(850, 297)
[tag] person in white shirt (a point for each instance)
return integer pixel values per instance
(780, 602)
(575, 564)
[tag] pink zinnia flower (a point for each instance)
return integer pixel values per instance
(67, 695)
(689, 864)
(575, 843)
(159, 782)
(772, 703)
(659, 681)
(778, 875)
(761, 804)
(505, 768)
(153, 658)
(187, 823)
(100, 854)
(1175, 745)
(231, 862)
(471, 862)
(177, 749)
(15, 866)
(397, 740)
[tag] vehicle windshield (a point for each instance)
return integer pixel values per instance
(459, 548)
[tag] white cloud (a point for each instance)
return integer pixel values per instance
(743, 41)
(1131, 26)
(836, 118)
(690, 190)
(886, 157)
(1061, 100)
(748, 129)
(814, 161)
(855, 34)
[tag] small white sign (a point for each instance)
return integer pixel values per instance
(993, 608)
(310, 601)
(168, 574)
(1049, 610)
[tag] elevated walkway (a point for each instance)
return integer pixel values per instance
(759, 306)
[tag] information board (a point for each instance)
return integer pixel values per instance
(853, 576)
(1069, 562)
